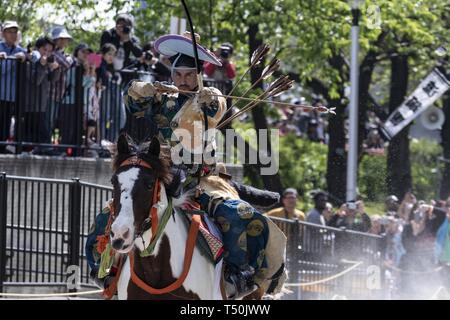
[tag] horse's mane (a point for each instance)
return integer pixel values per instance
(160, 164)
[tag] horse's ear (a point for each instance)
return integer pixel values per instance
(154, 148)
(122, 145)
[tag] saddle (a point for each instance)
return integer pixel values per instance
(208, 240)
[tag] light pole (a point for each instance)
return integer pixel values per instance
(352, 158)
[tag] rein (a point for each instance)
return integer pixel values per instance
(157, 230)
(152, 220)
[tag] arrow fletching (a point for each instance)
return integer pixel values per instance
(273, 66)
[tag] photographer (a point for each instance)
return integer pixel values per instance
(352, 216)
(42, 71)
(150, 62)
(227, 71)
(122, 38)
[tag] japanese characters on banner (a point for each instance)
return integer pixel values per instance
(429, 90)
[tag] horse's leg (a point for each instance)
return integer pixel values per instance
(124, 279)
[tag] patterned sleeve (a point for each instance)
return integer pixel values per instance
(143, 108)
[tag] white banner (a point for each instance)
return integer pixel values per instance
(429, 90)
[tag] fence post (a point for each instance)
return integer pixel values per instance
(3, 217)
(79, 106)
(382, 244)
(295, 254)
(74, 222)
(19, 103)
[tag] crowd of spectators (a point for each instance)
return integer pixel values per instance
(313, 126)
(48, 114)
(415, 235)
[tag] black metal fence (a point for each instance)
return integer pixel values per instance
(66, 111)
(44, 224)
(320, 254)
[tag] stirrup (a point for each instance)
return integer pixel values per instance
(241, 282)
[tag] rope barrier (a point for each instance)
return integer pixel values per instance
(356, 264)
(42, 295)
(414, 272)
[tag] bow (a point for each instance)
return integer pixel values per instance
(194, 43)
(257, 56)
(199, 78)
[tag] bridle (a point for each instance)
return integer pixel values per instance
(152, 222)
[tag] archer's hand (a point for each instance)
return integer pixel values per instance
(139, 90)
(205, 96)
(165, 88)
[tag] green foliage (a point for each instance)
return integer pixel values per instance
(372, 178)
(306, 36)
(372, 208)
(425, 168)
(425, 171)
(302, 166)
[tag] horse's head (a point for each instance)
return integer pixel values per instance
(137, 172)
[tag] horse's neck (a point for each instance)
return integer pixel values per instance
(169, 253)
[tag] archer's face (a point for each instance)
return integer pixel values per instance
(185, 79)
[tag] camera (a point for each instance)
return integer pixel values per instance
(351, 205)
(126, 29)
(418, 215)
(225, 53)
(148, 55)
(51, 59)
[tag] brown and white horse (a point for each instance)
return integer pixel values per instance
(138, 173)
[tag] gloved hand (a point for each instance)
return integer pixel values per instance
(139, 90)
(205, 96)
(165, 88)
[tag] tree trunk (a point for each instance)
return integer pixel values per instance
(271, 182)
(336, 175)
(399, 180)
(365, 79)
(445, 134)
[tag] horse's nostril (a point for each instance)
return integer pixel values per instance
(117, 244)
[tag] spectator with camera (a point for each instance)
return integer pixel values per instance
(121, 36)
(392, 205)
(150, 62)
(352, 216)
(42, 71)
(227, 72)
(57, 108)
(8, 48)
